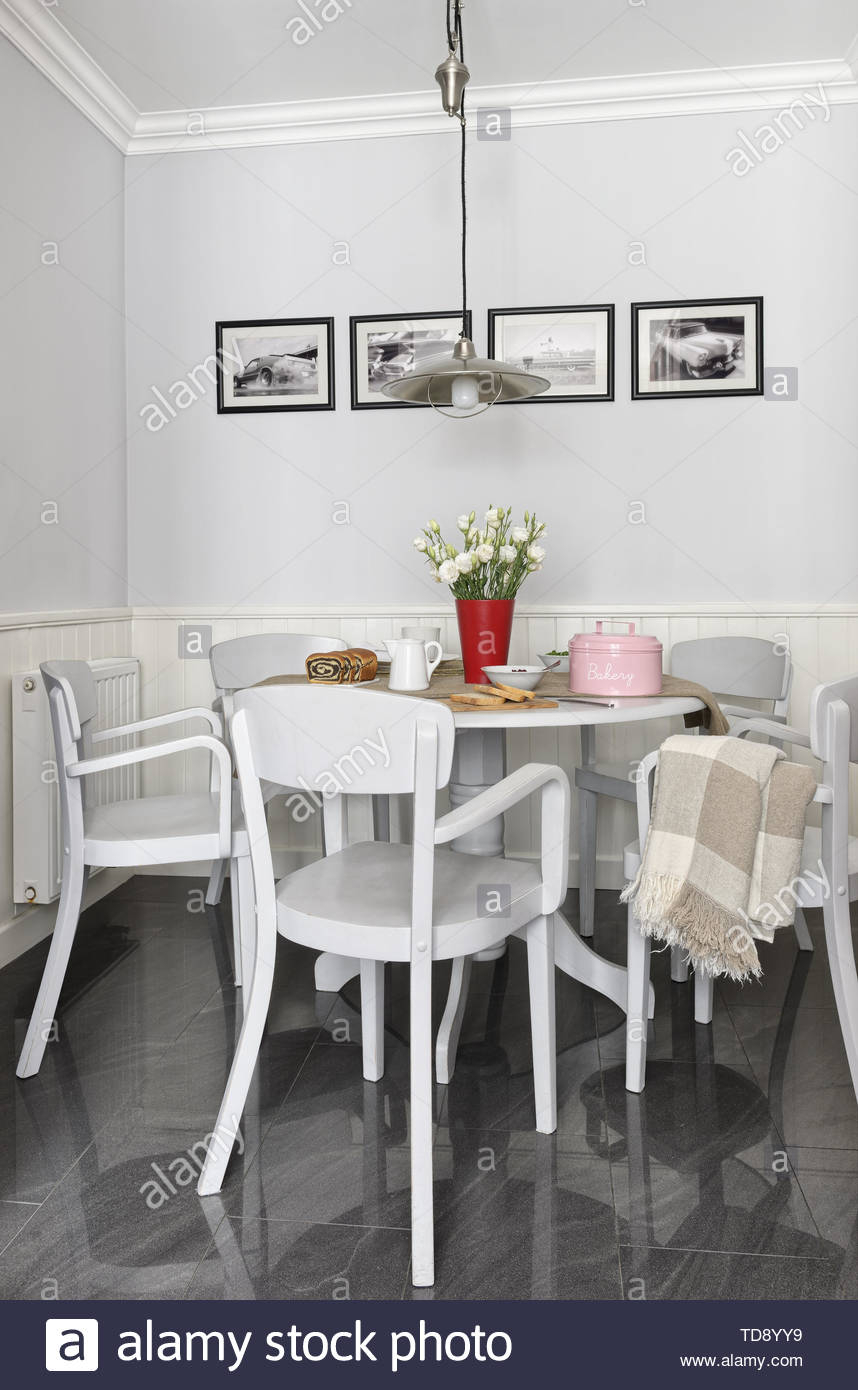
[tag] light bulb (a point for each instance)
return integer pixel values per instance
(465, 392)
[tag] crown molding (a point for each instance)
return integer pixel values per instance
(38, 32)
(651, 95)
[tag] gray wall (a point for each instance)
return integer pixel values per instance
(62, 352)
(746, 500)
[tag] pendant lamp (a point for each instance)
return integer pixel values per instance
(462, 384)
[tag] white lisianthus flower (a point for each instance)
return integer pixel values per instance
(420, 544)
(433, 570)
(464, 524)
(473, 535)
(518, 534)
(484, 553)
(492, 516)
(448, 570)
(464, 562)
(507, 554)
(536, 552)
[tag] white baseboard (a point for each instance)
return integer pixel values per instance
(18, 934)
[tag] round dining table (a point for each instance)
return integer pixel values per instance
(479, 761)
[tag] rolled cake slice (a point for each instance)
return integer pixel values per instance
(328, 668)
(364, 663)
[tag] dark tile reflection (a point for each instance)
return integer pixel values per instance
(735, 1174)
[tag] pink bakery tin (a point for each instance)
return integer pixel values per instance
(602, 663)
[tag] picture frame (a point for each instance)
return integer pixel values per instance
(572, 345)
(692, 348)
(384, 347)
(274, 364)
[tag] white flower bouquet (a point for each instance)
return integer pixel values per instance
(491, 561)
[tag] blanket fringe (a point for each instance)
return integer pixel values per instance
(670, 910)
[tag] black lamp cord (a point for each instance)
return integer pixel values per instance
(456, 45)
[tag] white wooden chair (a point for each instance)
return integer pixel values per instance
(236, 664)
(833, 739)
(147, 831)
(384, 902)
(748, 667)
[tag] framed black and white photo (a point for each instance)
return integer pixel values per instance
(697, 347)
(273, 364)
(385, 347)
(572, 346)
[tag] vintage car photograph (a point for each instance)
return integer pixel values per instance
(270, 365)
(386, 347)
(279, 371)
(697, 348)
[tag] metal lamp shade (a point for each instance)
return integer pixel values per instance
(496, 381)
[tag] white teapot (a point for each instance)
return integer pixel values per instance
(411, 662)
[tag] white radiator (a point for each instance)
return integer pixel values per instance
(36, 838)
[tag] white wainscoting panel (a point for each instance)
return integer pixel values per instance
(824, 646)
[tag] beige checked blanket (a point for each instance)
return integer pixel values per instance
(723, 852)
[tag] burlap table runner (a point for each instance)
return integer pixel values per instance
(448, 680)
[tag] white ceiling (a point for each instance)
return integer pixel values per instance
(163, 76)
(193, 54)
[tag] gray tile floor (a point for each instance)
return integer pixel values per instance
(735, 1174)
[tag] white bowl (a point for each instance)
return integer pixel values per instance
(562, 662)
(522, 677)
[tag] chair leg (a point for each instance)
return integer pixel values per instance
(214, 891)
(447, 1042)
(256, 1001)
(235, 909)
(540, 976)
(44, 1009)
(246, 944)
(587, 806)
(802, 931)
(422, 1216)
(841, 960)
(637, 1004)
(704, 997)
(678, 965)
(372, 1018)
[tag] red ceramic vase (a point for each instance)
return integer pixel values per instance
(485, 627)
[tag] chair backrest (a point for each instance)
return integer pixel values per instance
(334, 742)
(834, 722)
(341, 740)
(749, 667)
(73, 705)
(244, 661)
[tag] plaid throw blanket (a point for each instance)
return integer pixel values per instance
(723, 852)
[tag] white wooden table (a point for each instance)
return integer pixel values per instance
(478, 763)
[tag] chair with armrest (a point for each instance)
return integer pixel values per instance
(391, 902)
(142, 832)
(828, 878)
